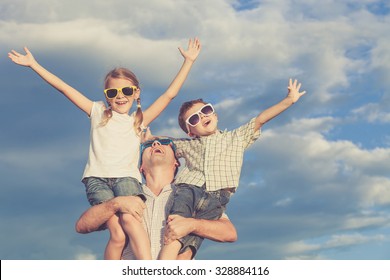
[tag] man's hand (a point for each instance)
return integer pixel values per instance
(177, 227)
(132, 205)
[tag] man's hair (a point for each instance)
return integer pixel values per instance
(183, 110)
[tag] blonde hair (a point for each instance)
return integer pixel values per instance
(124, 73)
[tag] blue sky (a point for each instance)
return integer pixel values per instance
(316, 185)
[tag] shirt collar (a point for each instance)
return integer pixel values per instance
(147, 191)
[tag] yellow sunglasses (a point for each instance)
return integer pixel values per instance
(113, 92)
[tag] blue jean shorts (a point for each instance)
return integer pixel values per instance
(195, 202)
(102, 189)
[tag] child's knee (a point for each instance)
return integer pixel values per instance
(128, 220)
(117, 235)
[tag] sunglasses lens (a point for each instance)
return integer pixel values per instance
(111, 93)
(194, 119)
(165, 141)
(128, 91)
(207, 110)
(147, 144)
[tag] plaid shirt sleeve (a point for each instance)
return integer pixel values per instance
(247, 133)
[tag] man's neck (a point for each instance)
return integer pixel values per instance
(157, 179)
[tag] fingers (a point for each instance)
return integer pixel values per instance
(146, 135)
(171, 218)
(140, 206)
(194, 43)
(138, 213)
(294, 85)
(14, 53)
(169, 235)
(138, 217)
(189, 43)
(298, 87)
(181, 50)
(197, 44)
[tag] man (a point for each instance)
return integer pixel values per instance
(159, 166)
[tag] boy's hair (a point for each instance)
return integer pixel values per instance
(183, 110)
(124, 73)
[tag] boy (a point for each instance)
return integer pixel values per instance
(213, 163)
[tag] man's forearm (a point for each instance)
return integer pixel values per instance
(221, 230)
(96, 216)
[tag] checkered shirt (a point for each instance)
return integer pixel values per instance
(215, 160)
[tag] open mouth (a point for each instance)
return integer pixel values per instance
(157, 151)
(206, 123)
(120, 103)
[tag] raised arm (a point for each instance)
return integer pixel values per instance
(221, 230)
(95, 217)
(292, 97)
(162, 102)
(72, 94)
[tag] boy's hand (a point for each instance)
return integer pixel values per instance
(293, 91)
(25, 60)
(192, 51)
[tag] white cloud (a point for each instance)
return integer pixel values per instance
(334, 47)
(283, 202)
(85, 256)
(304, 46)
(313, 163)
(366, 220)
(373, 113)
(336, 241)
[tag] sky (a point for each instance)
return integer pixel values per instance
(314, 186)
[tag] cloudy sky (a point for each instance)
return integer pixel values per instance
(316, 185)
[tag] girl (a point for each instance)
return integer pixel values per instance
(112, 167)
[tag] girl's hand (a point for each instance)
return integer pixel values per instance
(25, 60)
(193, 49)
(146, 135)
(293, 91)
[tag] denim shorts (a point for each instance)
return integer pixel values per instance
(195, 202)
(102, 189)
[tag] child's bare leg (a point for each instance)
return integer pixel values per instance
(186, 255)
(138, 237)
(170, 251)
(117, 240)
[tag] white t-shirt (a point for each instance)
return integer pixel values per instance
(114, 147)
